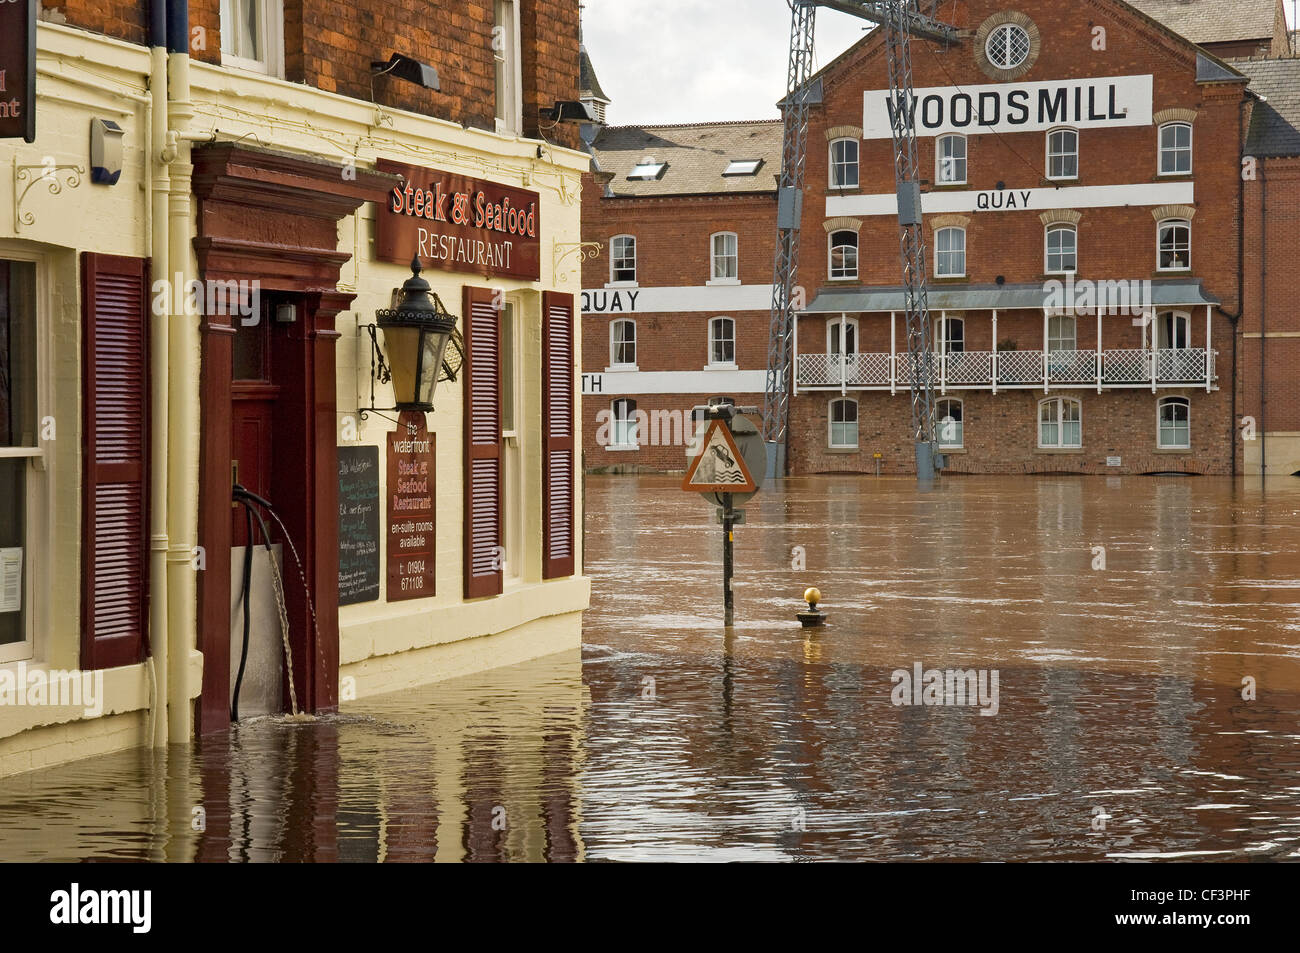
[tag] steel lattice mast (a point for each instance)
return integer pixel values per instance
(899, 20)
(776, 400)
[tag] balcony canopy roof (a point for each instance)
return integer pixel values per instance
(1008, 297)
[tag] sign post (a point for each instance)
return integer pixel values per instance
(724, 473)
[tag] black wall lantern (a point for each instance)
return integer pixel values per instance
(417, 329)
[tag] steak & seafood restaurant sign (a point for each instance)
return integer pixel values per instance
(457, 223)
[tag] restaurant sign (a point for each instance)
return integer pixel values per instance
(18, 69)
(457, 223)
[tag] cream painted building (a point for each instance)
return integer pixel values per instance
(130, 416)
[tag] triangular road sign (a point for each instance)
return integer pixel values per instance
(719, 468)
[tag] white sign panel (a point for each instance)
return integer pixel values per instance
(1016, 107)
(717, 298)
(1016, 200)
(674, 382)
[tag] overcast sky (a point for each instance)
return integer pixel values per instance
(664, 61)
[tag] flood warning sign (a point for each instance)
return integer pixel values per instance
(719, 468)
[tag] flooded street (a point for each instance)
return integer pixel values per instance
(1123, 618)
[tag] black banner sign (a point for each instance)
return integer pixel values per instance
(18, 69)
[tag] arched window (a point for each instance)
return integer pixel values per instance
(844, 424)
(844, 164)
(950, 160)
(1176, 148)
(1174, 245)
(950, 334)
(722, 341)
(948, 414)
(1060, 423)
(622, 343)
(950, 254)
(1174, 423)
(725, 257)
(1061, 333)
(1062, 249)
(623, 432)
(844, 254)
(842, 336)
(1175, 330)
(622, 258)
(1063, 154)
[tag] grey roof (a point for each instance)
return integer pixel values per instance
(1275, 123)
(588, 84)
(1213, 21)
(985, 297)
(696, 155)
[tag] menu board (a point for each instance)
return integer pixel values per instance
(358, 524)
(410, 509)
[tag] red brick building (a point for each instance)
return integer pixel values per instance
(675, 309)
(1083, 206)
(1269, 347)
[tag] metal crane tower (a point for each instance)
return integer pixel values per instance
(900, 20)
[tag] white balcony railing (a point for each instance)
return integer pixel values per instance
(967, 369)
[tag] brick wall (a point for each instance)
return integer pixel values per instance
(1281, 409)
(550, 45)
(1113, 244)
(123, 19)
(673, 250)
(331, 45)
(673, 235)
(1001, 435)
(665, 429)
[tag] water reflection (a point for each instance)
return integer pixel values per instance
(672, 738)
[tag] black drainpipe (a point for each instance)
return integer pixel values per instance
(1241, 271)
(158, 24)
(1263, 320)
(177, 13)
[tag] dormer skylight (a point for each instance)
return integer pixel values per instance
(743, 167)
(647, 170)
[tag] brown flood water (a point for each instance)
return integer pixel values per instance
(1120, 732)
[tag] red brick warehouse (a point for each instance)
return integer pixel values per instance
(1073, 154)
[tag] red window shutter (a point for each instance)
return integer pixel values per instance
(484, 557)
(115, 460)
(557, 435)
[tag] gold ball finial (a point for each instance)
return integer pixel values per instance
(812, 595)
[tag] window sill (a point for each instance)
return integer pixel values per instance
(621, 284)
(1184, 451)
(950, 279)
(843, 280)
(843, 189)
(620, 449)
(843, 449)
(952, 449)
(950, 187)
(1166, 176)
(1056, 183)
(1059, 450)
(618, 368)
(721, 367)
(1173, 271)
(722, 282)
